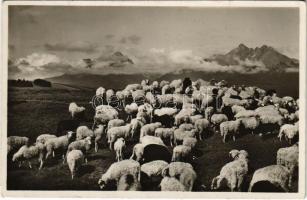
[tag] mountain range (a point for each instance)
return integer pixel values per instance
(264, 56)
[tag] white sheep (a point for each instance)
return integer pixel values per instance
(149, 129)
(165, 111)
(118, 169)
(131, 110)
(128, 183)
(230, 128)
(201, 126)
(136, 125)
(232, 174)
(277, 175)
(237, 154)
(289, 131)
(209, 111)
(165, 89)
(180, 134)
(103, 114)
(148, 139)
(83, 145)
(15, 142)
(83, 132)
(217, 119)
(180, 152)
(98, 134)
(245, 113)
(75, 159)
(236, 109)
(100, 91)
(137, 152)
(138, 95)
(227, 101)
(176, 83)
(186, 126)
(109, 94)
(163, 83)
(61, 142)
(154, 168)
(171, 184)
(194, 118)
(118, 132)
(190, 142)
(115, 123)
(75, 109)
(26, 153)
(119, 146)
(288, 157)
(166, 133)
(250, 123)
(133, 87)
(44, 137)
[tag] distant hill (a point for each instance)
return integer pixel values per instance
(264, 56)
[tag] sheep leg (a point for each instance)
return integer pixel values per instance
(96, 147)
(63, 157)
(85, 160)
(110, 146)
(29, 162)
(41, 165)
(19, 164)
(239, 184)
(224, 139)
(53, 154)
(234, 138)
(170, 141)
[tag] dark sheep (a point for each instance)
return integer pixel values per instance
(166, 120)
(156, 152)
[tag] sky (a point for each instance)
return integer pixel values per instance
(49, 41)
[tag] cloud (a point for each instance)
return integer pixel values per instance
(26, 14)
(109, 36)
(85, 47)
(132, 39)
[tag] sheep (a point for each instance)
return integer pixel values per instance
(117, 132)
(171, 184)
(250, 123)
(154, 168)
(272, 122)
(61, 142)
(289, 131)
(138, 96)
(44, 137)
(133, 87)
(103, 114)
(83, 145)
(165, 111)
(231, 128)
(74, 109)
(179, 135)
(183, 171)
(115, 123)
(236, 109)
(166, 89)
(128, 183)
(28, 152)
(150, 98)
(275, 174)
(83, 132)
(245, 113)
(227, 101)
(184, 115)
(15, 142)
(136, 125)
(145, 111)
(109, 94)
(232, 174)
(163, 83)
(149, 129)
(202, 126)
(189, 141)
(137, 151)
(131, 110)
(98, 133)
(236, 154)
(148, 139)
(119, 145)
(75, 159)
(209, 111)
(100, 91)
(163, 100)
(217, 119)
(118, 169)
(176, 83)
(181, 152)
(166, 133)
(186, 127)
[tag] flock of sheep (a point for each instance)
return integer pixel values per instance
(177, 115)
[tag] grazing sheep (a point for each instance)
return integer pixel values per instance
(44, 137)
(74, 109)
(75, 159)
(115, 123)
(171, 184)
(138, 151)
(231, 175)
(184, 115)
(149, 129)
(83, 145)
(202, 126)
(15, 142)
(236, 109)
(190, 142)
(148, 139)
(179, 135)
(128, 183)
(119, 146)
(104, 113)
(98, 134)
(245, 114)
(209, 111)
(131, 110)
(227, 101)
(118, 169)
(289, 131)
(154, 168)
(145, 111)
(54, 144)
(186, 126)
(165, 111)
(288, 157)
(250, 123)
(194, 118)
(230, 128)
(118, 132)
(181, 152)
(166, 133)
(217, 119)
(138, 96)
(277, 175)
(137, 124)
(28, 152)
(83, 132)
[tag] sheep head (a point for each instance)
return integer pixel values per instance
(102, 182)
